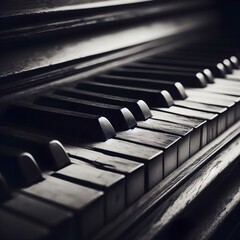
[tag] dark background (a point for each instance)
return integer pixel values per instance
(230, 12)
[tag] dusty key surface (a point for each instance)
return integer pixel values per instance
(210, 117)
(58, 220)
(133, 171)
(14, 226)
(151, 157)
(86, 204)
(166, 142)
(112, 184)
(221, 111)
(181, 130)
(200, 128)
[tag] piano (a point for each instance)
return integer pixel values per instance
(119, 119)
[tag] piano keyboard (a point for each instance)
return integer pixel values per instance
(75, 158)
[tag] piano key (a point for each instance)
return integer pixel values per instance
(49, 154)
(138, 108)
(57, 220)
(228, 91)
(235, 62)
(133, 171)
(207, 73)
(235, 73)
(187, 79)
(15, 227)
(181, 130)
(227, 82)
(216, 100)
(67, 123)
(151, 157)
(4, 189)
(200, 128)
(120, 117)
(223, 90)
(226, 99)
(151, 97)
(165, 126)
(175, 88)
(228, 66)
(112, 184)
(210, 117)
(86, 204)
(169, 143)
(233, 77)
(221, 111)
(19, 168)
(218, 70)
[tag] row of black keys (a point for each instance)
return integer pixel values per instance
(77, 196)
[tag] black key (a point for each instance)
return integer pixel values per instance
(49, 154)
(176, 89)
(207, 73)
(235, 62)
(200, 129)
(19, 168)
(151, 97)
(218, 70)
(4, 189)
(139, 108)
(177, 129)
(120, 117)
(57, 220)
(221, 111)
(86, 204)
(196, 58)
(151, 157)
(112, 184)
(210, 117)
(15, 227)
(187, 79)
(133, 171)
(67, 123)
(169, 143)
(205, 55)
(220, 53)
